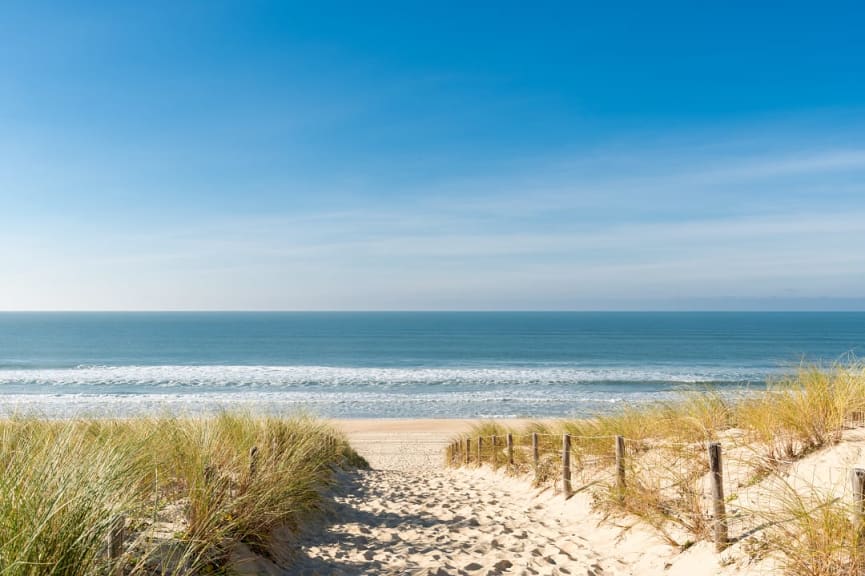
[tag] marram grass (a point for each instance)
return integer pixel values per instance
(763, 432)
(790, 418)
(189, 488)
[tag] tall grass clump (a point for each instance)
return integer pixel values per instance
(813, 533)
(763, 433)
(59, 492)
(190, 489)
(802, 412)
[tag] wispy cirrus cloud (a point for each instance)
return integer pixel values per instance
(668, 226)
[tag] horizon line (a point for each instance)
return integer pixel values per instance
(433, 311)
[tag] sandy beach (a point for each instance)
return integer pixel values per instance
(411, 515)
(403, 444)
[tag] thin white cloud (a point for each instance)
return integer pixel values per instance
(497, 248)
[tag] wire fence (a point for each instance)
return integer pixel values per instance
(721, 490)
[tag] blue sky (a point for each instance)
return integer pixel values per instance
(255, 155)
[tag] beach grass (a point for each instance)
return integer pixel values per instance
(189, 489)
(764, 433)
(791, 417)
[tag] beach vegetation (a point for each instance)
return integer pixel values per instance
(810, 525)
(187, 490)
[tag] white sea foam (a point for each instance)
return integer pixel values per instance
(469, 392)
(332, 404)
(301, 377)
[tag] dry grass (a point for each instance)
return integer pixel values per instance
(764, 430)
(804, 412)
(816, 533)
(190, 489)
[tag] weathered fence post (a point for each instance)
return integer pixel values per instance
(116, 536)
(510, 440)
(480, 450)
(493, 443)
(620, 468)
(535, 454)
(566, 465)
(717, 476)
(253, 461)
(468, 450)
(857, 477)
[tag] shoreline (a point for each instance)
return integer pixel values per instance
(359, 426)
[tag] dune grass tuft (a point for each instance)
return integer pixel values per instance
(190, 489)
(763, 432)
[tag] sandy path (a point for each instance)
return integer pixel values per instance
(409, 515)
(441, 522)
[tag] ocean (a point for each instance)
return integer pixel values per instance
(399, 364)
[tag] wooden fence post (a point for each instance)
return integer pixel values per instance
(116, 536)
(253, 461)
(566, 465)
(480, 450)
(510, 440)
(493, 444)
(535, 454)
(717, 475)
(857, 477)
(620, 468)
(468, 450)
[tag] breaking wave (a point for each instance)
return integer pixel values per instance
(300, 377)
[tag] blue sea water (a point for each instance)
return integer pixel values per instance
(399, 364)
